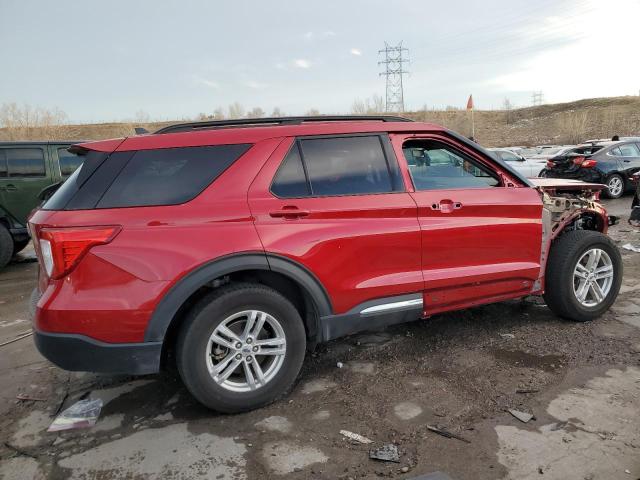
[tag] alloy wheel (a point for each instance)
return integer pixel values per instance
(593, 277)
(246, 351)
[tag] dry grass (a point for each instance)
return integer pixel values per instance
(555, 123)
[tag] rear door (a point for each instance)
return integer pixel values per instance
(337, 205)
(481, 238)
(23, 174)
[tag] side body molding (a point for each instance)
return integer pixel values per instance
(190, 283)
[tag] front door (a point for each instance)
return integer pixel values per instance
(481, 239)
(338, 206)
(23, 174)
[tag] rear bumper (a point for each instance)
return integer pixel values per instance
(81, 353)
(19, 234)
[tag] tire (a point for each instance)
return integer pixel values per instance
(615, 186)
(543, 173)
(19, 246)
(6, 246)
(218, 309)
(562, 287)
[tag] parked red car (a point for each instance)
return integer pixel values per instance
(235, 246)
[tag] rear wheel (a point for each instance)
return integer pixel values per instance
(615, 186)
(583, 276)
(241, 347)
(6, 246)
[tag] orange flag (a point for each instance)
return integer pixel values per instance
(470, 103)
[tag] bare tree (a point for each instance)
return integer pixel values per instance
(277, 112)
(236, 110)
(28, 123)
(312, 112)
(218, 114)
(256, 112)
(368, 106)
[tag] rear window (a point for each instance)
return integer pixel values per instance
(143, 178)
(169, 176)
(22, 162)
(68, 162)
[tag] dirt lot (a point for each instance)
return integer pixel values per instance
(460, 371)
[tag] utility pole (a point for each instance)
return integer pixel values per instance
(537, 98)
(393, 62)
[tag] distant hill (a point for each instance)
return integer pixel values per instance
(558, 123)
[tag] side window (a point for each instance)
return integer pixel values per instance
(616, 152)
(3, 165)
(290, 180)
(25, 162)
(346, 165)
(629, 150)
(68, 162)
(169, 176)
(446, 168)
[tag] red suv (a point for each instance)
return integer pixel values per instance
(235, 246)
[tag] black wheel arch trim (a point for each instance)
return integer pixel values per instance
(178, 294)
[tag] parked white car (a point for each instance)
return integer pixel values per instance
(528, 167)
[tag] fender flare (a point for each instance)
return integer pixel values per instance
(171, 302)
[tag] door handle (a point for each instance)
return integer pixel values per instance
(290, 212)
(10, 187)
(446, 206)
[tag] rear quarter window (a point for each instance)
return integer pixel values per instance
(169, 176)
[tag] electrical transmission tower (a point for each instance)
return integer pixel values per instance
(537, 98)
(393, 62)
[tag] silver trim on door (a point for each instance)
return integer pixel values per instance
(385, 307)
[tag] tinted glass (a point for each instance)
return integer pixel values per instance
(3, 164)
(68, 162)
(629, 150)
(615, 151)
(25, 162)
(290, 180)
(169, 176)
(346, 166)
(443, 168)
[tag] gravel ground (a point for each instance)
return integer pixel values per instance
(461, 372)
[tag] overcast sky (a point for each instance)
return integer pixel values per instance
(107, 60)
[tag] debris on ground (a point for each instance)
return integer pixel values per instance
(20, 336)
(522, 416)
(633, 248)
(355, 436)
(82, 414)
(527, 390)
(340, 365)
(24, 396)
(446, 433)
(507, 336)
(386, 453)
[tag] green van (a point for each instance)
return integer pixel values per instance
(26, 169)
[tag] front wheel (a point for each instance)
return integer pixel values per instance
(615, 186)
(583, 276)
(241, 347)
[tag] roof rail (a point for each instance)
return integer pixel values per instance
(261, 122)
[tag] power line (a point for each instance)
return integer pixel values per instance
(393, 61)
(537, 98)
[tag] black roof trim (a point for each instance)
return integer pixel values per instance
(273, 121)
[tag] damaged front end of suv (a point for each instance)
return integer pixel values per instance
(569, 205)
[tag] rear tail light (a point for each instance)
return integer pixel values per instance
(63, 248)
(583, 162)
